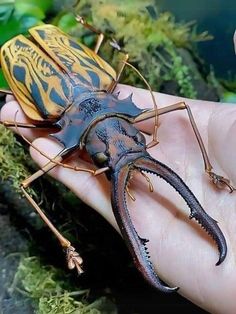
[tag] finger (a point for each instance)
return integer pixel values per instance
(78, 181)
(10, 98)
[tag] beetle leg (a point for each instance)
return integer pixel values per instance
(121, 67)
(10, 124)
(73, 258)
(101, 36)
(218, 180)
(99, 42)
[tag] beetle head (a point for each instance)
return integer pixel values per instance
(113, 142)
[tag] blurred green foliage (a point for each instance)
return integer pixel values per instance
(49, 289)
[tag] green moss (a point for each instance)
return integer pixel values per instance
(49, 290)
(181, 74)
(12, 159)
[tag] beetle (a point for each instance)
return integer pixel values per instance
(64, 85)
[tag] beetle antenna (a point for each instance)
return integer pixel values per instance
(154, 140)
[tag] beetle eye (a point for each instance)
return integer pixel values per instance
(100, 158)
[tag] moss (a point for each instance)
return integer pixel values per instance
(181, 74)
(51, 293)
(12, 159)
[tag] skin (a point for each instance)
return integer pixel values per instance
(182, 253)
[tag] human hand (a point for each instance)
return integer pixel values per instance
(181, 251)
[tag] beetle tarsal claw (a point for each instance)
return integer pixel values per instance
(74, 260)
(220, 181)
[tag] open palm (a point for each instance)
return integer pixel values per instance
(183, 254)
